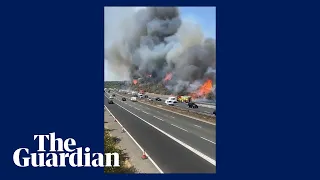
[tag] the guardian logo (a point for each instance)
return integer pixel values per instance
(65, 152)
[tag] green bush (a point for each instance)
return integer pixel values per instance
(110, 145)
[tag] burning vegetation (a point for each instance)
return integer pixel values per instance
(135, 81)
(162, 53)
(168, 77)
(203, 91)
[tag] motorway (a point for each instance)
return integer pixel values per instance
(200, 108)
(184, 105)
(176, 143)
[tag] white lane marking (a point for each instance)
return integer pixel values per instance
(200, 154)
(137, 108)
(208, 140)
(158, 118)
(190, 117)
(145, 112)
(179, 127)
(172, 116)
(197, 126)
(136, 142)
(147, 107)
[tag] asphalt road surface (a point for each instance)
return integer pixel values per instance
(200, 109)
(184, 105)
(176, 143)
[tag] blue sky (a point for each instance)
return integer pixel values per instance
(205, 16)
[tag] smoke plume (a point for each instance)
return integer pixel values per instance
(153, 42)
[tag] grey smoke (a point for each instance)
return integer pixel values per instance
(155, 41)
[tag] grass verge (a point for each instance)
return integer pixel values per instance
(110, 145)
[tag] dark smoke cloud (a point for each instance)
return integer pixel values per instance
(155, 41)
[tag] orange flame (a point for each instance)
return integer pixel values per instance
(135, 81)
(205, 89)
(168, 77)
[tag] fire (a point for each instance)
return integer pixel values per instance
(135, 81)
(205, 89)
(168, 77)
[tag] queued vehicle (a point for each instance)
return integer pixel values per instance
(157, 99)
(150, 99)
(140, 96)
(110, 101)
(133, 99)
(124, 99)
(173, 99)
(169, 102)
(184, 99)
(113, 95)
(214, 112)
(192, 105)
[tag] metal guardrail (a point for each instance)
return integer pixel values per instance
(189, 112)
(180, 108)
(212, 104)
(202, 104)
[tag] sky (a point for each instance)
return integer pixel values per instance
(204, 16)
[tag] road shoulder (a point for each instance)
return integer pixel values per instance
(129, 146)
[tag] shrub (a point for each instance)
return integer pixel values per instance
(110, 145)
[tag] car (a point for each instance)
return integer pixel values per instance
(110, 101)
(214, 112)
(150, 99)
(113, 95)
(169, 102)
(133, 99)
(123, 99)
(158, 99)
(192, 105)
(173, 99)
(146, 96)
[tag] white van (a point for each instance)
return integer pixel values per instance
(133, 99)
(173, 99)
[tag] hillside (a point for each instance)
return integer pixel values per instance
(148, 87)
